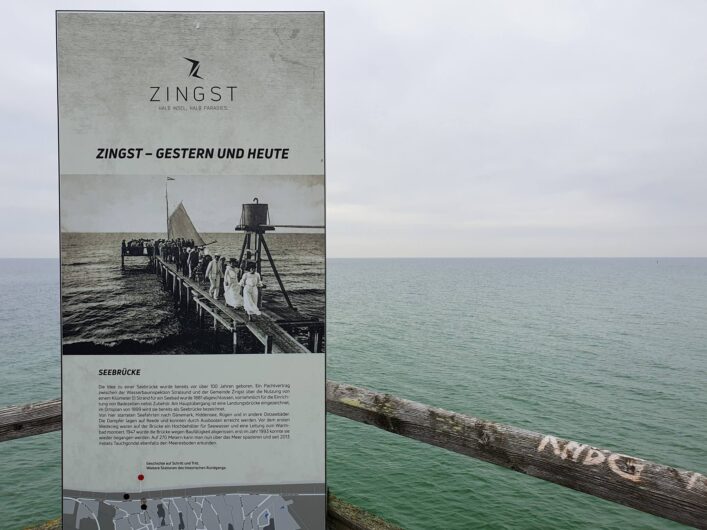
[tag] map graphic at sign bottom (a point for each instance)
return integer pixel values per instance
(292, 507)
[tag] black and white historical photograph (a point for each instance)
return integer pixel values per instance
(192, 264)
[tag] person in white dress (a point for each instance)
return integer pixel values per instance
(215, 276)
(250, 282)
(232, 286)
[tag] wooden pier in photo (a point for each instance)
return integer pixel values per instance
(276, 328)
(653, 488)
(273, 328)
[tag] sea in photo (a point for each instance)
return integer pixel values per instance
(110, 309)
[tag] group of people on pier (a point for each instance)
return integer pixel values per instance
(238, 283)
(138, 247)
(173, 250)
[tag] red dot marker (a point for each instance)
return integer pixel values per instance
(141, 477)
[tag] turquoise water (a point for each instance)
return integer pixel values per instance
(612, 352)
(30, 469)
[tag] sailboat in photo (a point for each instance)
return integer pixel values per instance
(180, 225)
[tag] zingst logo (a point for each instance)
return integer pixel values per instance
(194, 72)
(188, 93)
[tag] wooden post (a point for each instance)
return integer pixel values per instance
(268, 344)
(319, 342)
(197, 308)
(240, 258)
(235, 337)
(654, 488)
(258, 265)
(277, 275)
(310, 339)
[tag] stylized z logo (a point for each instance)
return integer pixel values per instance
(194, 72)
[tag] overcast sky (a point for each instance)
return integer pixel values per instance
(490, 128)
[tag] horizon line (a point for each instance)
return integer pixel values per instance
(441, 257)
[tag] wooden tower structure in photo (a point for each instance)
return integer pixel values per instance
(255, 221)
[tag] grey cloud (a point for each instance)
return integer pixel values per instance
(506, 128)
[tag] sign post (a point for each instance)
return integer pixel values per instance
(193, 379)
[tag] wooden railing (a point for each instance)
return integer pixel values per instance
(30, 419)
(646, 486)
(45, 416)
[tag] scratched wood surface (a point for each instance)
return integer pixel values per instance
(30, 419)
(653, 488)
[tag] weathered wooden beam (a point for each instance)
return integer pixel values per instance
(30, 419)
(344, 516)
(653, 488)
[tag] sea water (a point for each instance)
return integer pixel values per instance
(611, 352)
(30, 468)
